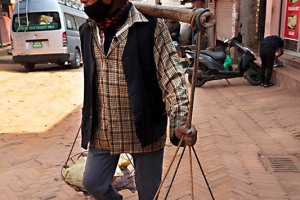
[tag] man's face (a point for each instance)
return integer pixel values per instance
(90, 2)
(98, 10)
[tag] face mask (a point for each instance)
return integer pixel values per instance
(98, 11)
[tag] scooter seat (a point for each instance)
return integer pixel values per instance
(217, 55)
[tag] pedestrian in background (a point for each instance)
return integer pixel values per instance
(271, 48)
(174, 29)
(194, 34)
(126, 104)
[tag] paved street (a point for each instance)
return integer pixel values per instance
(248, 143)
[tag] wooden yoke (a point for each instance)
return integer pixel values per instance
(166, 12)
(207, 19)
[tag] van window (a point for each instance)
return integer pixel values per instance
(73, 22)
(79, 21)
(40, 21)
(70, 22)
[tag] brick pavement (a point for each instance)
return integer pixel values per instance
(246, 133)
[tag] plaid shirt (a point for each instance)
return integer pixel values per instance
(117, 130)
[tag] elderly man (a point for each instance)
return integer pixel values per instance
(126, 102)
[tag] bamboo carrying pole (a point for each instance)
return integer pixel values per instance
(166, 12)
(206, 20)
(175, 13)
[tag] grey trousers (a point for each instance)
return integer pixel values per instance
(100, 168)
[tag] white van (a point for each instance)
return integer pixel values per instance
(46, 31)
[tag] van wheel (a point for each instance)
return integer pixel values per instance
(77, 60)
(29, 66)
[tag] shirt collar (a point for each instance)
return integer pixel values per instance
(134, 16)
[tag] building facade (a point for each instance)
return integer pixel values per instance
(6, 8)
(255, 19)
(283, 19)
(259, 18)
(235, 16)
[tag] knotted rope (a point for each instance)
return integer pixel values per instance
(202, 19)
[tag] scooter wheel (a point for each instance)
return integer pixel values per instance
(252, 74)
(200, 81)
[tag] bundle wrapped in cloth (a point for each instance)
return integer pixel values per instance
(73, 175)
(122, 179)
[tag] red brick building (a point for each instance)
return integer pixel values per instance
(6, 8)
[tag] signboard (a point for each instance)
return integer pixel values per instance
(35, 27)
(291, 29)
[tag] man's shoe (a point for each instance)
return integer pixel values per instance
(268, 85)
(262, 84)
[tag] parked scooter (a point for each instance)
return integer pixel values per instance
(211, 64)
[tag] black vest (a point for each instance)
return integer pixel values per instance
(140, 72)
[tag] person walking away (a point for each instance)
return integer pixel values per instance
(174, 29)
(127, 104)
(271, 48)
(193, 37)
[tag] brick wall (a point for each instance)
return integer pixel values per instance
(5, 29)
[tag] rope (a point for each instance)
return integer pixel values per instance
(66, 163)
(65, 166)
(191, 172)
(201, 19)
(173, 178)
(168, 170)
(211, 194)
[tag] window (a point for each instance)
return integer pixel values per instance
(70, 22)
(36, 22)
(79, 21)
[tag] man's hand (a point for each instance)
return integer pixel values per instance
(279, 53)
(189, 135)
